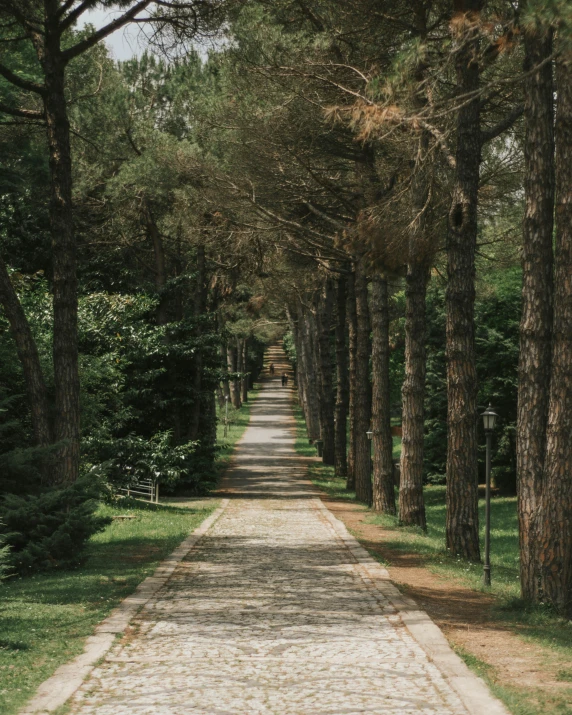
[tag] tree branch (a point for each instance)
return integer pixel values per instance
(25, 113)
(74, 14)
(20, 82)
(503, 125)
(102, 33)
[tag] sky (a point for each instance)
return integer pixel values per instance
(123, 44)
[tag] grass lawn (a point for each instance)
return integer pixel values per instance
(44, 619)
(539, 626)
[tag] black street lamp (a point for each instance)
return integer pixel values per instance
(489, 421)
(225, 416)
(369, 434)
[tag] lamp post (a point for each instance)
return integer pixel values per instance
(225, 415)
(369, 434)
(489, 421)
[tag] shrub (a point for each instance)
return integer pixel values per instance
(49, 530)
(127, 460)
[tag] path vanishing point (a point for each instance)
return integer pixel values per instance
(276, 609)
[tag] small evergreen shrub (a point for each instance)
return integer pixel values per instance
(49, 530)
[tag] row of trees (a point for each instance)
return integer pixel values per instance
(326, 156)
(389, 150)
(128, 313)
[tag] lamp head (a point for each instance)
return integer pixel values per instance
(489, 418)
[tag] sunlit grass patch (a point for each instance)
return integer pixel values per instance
(44, 619)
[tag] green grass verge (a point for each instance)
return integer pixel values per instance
(44, 619)
(519, 701)
(535, 624)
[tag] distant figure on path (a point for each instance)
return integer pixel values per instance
(272, 368)
(284, 380)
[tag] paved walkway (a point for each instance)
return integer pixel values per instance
(275, 611)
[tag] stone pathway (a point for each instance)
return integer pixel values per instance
(276, 610)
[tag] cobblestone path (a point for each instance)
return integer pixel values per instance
(271, 613)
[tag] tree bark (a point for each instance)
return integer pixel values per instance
(220, 396)
(300, 376)
(232, 367)
(311, 392)
(420, 250)
(362, 465)
(462, 522)
(225, 383)
(244, 380)
(239, 366)
(199, 305)
(342, 386)
(324, 312)
(65, 346)
(411, 501)
(160, 264)
(352, 342)
(537, 291)
(383, 489)
(554, 526)
(28, 353)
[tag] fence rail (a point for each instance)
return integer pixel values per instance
(146, 489)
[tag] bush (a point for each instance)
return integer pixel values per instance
(49, 530)
(124, 461)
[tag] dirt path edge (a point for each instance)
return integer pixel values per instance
(472, 691)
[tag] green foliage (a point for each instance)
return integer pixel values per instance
(290, 348)
(49, 530)
(138, 392)
(127, 460)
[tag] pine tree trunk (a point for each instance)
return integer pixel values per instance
(411, 502)
(302, 361)
(554, 525)
(308, 334)
(342, 386)
(352, 342)
(244, 381)
(29, 358)
(225, 383)
(160, 264)
(232, 367)
(199, 304)
(383, 489)
(462, 522)
(220, 396)
(65, 345)
(362, 465)
(537, 289)
(324, 311)
(239, 366)
(300, 377)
